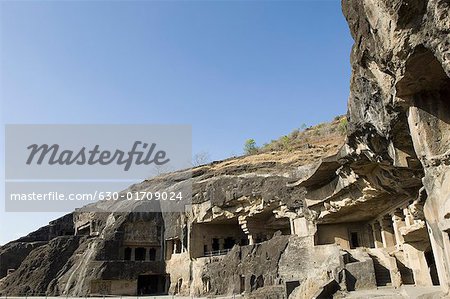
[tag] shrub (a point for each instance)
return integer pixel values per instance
(343, 125)
(250, 147)
(286, 143)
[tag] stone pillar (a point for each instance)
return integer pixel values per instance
(250, 240)
(147, 254)
(397, 223)
(305, 228)
(158, 254)
(446, 258)
(132, 254)
(377, 238)
(409, 220)
(292, 226)
(387, 232)
(370, 241)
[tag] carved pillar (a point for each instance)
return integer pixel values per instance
(387, 232)
(409, 220)
(250, 240)
(397, 223)
(147, 254)
(132, 254)
(377, 238)
(305, 228)
(292, 227)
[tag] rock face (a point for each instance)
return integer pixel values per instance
(235, 202)
(14, 253)
(399, 108)
(315, 221)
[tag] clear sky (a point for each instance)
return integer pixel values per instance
(232, 69)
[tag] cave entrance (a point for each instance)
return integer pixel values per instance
(348, 235)
(229, 242)
(265, 224)
(151, 284)
(215, 244)
(354, 240)
(127, 254)
(139, 254)
(215, 238)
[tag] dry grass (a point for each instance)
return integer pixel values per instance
(320, 134)
(296, 149)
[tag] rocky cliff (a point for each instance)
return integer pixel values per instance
(399, 107)
(309, 219)
(90, 249)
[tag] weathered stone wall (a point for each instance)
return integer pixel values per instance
(113, 287)
(398, 141)
(340, 233)
(13, 254)
(40, 268)
(255, 265)
(319, 265)
(400, 100)
(359, 271)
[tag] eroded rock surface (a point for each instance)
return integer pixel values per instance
(399, 106)
(244, 201)
(321, 220)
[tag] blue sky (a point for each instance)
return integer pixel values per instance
(232, 69)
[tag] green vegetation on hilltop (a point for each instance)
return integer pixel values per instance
(302, 137)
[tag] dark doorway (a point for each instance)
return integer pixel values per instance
(215, 244)
(177, 246)
(354, 240)
(432, 267)
(148, 284)
(139, 254)
(127, 254)
(228, 243)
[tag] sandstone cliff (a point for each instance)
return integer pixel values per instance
(224, 193)
(399, 107)
(315, 219)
